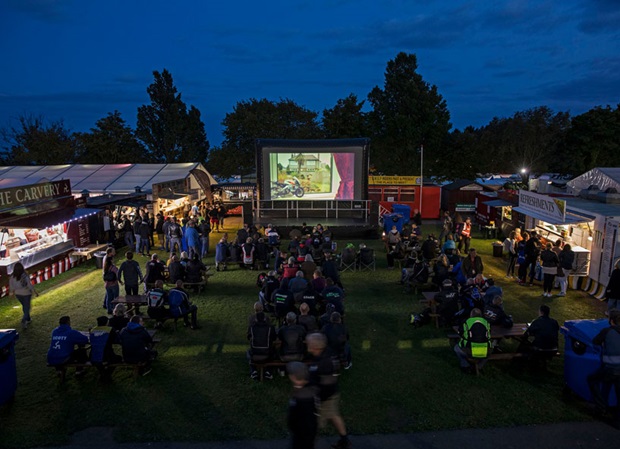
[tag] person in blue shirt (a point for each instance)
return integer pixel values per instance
(64, 341)
(101, 350)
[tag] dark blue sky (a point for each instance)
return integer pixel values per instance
(78, 60)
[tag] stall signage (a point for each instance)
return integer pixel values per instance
(394, 180)
(17, 196)
(551, 209)
(465, 208)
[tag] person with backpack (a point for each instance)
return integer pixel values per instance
(180, 306)
(475, 341)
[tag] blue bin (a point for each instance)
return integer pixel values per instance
(390, 220)
(8, 370)
(404, 210)
(581, 357)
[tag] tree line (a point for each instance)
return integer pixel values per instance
(404, 115)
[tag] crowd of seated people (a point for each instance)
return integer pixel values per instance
(69, 346)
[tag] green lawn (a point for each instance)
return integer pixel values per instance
(402, 379)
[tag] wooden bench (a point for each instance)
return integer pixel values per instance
(261, 366)
(62, 369)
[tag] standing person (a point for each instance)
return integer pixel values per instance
(510, 247)
(130, 271)
(213, 218)
(165, 227)
(566, 258)
(446, 228)
(128, 232)
(302, 407)
(145, 237)
(136, 232)
(205, 230)
(193, 239)
(612, 292)
(522, 259)
(110, 278)
(175, 234)
(550, 265)
(532, 253)
(22, 288)
(159, 230)
(221, 214)
(324, 375)
(609, 372)
(465, 235)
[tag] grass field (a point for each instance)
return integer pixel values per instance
(402, 380)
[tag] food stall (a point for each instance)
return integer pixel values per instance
(40, 227)
(590, 226)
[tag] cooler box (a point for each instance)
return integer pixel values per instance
(581, 357)
(402, 209)
(390, 220)
(8, 370)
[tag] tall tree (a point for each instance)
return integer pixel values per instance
(169, 132)
(253, 119)
(33, 142)
(407, 113)
(111, 141)
(345, 119)
(594, 140)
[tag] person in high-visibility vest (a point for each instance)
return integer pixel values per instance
(475, 341)
(465, 235)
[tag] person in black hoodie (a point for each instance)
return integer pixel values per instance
(261, 335)
(137, 344)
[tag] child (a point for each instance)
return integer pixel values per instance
(302, 408)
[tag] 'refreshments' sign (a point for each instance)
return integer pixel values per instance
(18, 196)
(548, 207)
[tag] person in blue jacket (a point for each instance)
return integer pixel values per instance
(64, 341)
(193, 239)
(101, 350)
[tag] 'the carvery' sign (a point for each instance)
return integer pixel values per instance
(17, 196)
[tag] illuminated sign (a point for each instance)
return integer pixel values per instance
(394, 180)
(17, 196)
(551, 209)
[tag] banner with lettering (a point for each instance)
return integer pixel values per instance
(547, 207)
(19, 196)
(394, 180)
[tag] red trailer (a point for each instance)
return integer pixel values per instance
(390, 190)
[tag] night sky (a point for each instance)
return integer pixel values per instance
(77, 60)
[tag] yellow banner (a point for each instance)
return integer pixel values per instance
(394, 180)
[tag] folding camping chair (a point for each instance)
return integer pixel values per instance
(367, 259)
(348, 259)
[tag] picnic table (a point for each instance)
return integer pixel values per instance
(88, 251)
(133, 302)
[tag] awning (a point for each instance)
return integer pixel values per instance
(84, 212)
(172, 196)
(497, 203)
(570, 218)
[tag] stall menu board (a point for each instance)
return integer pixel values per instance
(79, 232)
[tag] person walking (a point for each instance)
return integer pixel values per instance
(510, 247)
(612, 292)
(21, 286)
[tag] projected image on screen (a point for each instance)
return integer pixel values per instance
(311, 175)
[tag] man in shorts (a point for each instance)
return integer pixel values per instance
(324, 374)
